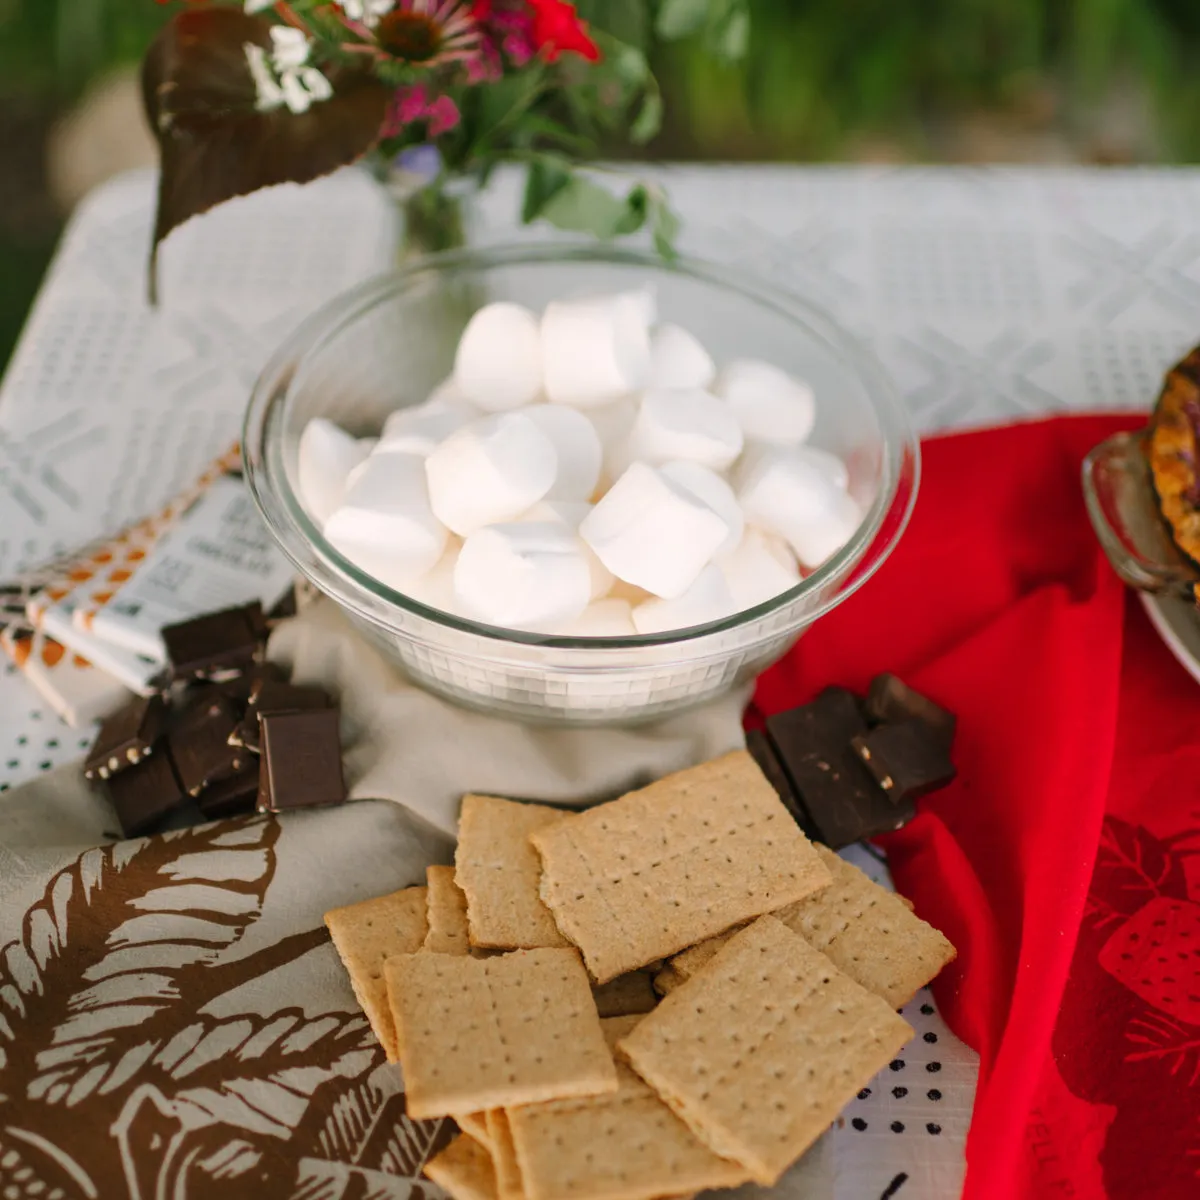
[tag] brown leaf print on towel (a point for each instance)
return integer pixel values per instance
(115, 1081)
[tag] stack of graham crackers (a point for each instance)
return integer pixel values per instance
(519, 990)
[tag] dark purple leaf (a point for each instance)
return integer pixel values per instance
(1132, 868)
(215, 144)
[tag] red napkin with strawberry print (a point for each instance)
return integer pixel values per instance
(1063, 861)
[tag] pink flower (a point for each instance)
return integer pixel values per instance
(412, 104)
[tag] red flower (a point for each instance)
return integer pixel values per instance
(558, 29)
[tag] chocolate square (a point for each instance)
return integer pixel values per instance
(907, 761)
(230, 797)
(200, 746)
(126, 737)
(145, 794)
(890, 701)
(228, 640)
(302, 756)
(271, 696)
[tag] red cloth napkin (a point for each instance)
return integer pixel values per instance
(1060, 863)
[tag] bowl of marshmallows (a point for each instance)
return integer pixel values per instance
(577, 484)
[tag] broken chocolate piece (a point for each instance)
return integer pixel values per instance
(763, 752)
(218, 642)
(270, 696)
(908, 760)
(126, 737)
(231, 796)
(200, 745)
(301, 760)
(891, 701)
(145, 794)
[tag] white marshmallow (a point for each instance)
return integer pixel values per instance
(325, 457)
(649, 531)
(577, 444)
(692, 425)
(833, 466)
(678, 360)
(770, 405)
(708, 599)
(612, 423)
(531, 576)
(715, 492)
(597, 349)
(759, 568)
(498, 364)
(491, 470)
(603, 618)
(422, 428)
(794, 496)
(436, 587)
(571, 515)
(385, 525)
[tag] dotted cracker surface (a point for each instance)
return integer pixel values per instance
(366, 934)
(464, 1169)
(482, 1033)
(760, 1050)
(624, 1146)
(446, 913)
(670, 865)
(500, 872)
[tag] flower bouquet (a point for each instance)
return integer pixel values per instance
(273, 91)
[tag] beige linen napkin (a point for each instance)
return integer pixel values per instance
(406, 745)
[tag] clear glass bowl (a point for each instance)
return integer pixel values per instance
(388, 342)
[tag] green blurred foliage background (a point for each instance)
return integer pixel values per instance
(878, 80)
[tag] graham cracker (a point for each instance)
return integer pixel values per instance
(759, 1051)
(482, 1033)
(367, 933)
(476, 1125)
(624, 1146)
(504, 1156)
(499, 872)
(625, 995)
(675, 863)
(869, 933)
(464, 1169)
(446, 913)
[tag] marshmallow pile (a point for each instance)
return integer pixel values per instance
(588, 473)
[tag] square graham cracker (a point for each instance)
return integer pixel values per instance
(446, 912)
(760, 1050)
(625, 1146)
(668, 866)
(482, 1033)
(476, 1125)
(367, 933)
(504, 1156)
(464, 1168)
(499, 872)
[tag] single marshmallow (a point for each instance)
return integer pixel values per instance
(796, 497)
(436, 587)
(532, 576)
(602, 618)
(715, 492)
(650, 531)
(612, 423)
(831, 464)
(422, 428)
(708, 599)
(498, 364)
(678, 360)
(384, 524)
(597, 349)
(759, 568)
(692, 425)
(770, 405)
(491, 470)
(571, 514)
(324, 459)
(578, 447)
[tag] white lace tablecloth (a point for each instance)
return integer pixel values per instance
(990, 295)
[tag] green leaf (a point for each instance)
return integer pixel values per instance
(214, 144)
(664, 225)
(731, 39)
(680, 18)
(544, 180)
(648, 120)
(583, 206)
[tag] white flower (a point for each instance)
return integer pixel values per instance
(297, 85)
(366, 11)
(257, 6)
(289, 47)
(270, 95)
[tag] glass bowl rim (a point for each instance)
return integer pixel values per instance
(268, 481)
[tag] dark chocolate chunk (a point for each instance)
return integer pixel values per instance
(126, 737)
(231, 796)
(271, 696)
(236, 688)
(200, 746)
(216, 643)
(763, 752)
(302, 760)
(890, 700)
(145, 794)
(907, 761)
